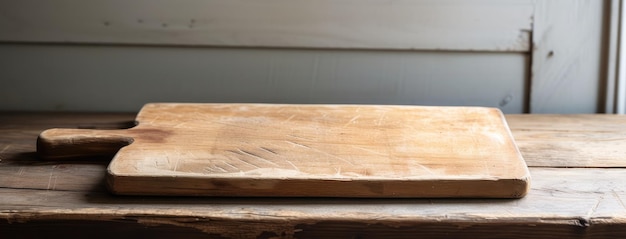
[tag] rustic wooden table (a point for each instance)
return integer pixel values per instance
(577, 163)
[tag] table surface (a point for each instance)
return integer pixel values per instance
(577, 164)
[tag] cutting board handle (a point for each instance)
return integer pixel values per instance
(70, 143)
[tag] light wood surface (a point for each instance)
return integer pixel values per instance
(305, 150)
(69, 198)
(572, 140)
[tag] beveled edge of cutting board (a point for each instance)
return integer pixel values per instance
(249, 187)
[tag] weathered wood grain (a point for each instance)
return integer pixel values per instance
(305, 150)
(579, 203)
(20, 166)
(562, 203)
(570, 141)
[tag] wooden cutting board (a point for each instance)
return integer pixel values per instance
(305, 150)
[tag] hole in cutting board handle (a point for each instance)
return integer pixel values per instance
(72, 143)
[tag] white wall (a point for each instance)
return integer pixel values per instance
(116, 55)
(475, 25)
(122, 78)
(568, 71)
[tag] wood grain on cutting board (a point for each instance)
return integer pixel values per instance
(309, 150)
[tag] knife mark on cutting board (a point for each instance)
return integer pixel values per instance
(320, 151)
(353, 120)
(268, 150)
(258, 157)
